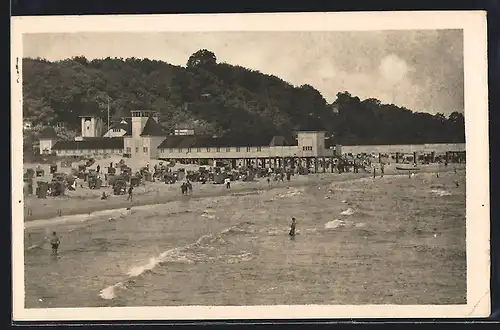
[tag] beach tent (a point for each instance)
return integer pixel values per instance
(120, 187)
(135, 181)
(41, 189)
(219, 178)
(39, 172)
(29, 174)
(53, 168)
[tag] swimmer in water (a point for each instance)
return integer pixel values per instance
(292, 228)
(54, 242)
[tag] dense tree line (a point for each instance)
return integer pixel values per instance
(218, 99)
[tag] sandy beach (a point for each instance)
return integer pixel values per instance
(85, 200)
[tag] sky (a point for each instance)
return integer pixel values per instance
(422, 70)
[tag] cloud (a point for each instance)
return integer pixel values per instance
(393, 69)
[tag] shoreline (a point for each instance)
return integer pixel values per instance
(96, 205)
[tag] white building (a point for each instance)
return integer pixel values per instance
(119, 129)
(48, 138)
(143, 138)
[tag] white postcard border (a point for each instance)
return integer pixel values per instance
(473, 24)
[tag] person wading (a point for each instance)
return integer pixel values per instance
(130, 190)
(291, 233)
(54, 242)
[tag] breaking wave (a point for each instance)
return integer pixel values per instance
(349, 211)
(188, 254)
(334, 224)
(441, 192)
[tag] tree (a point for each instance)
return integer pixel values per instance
(219, 99)
(80, 59)
(457, 118)
(203, 58)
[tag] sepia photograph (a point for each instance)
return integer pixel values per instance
(246, 166)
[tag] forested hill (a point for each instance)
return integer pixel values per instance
(220, 99)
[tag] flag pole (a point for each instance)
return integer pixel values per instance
(108, 112)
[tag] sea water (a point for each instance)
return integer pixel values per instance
(363, 241)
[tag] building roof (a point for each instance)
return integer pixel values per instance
(153, 128)
(183, 141)
(173, 141)
(48, 133)
(125, 125)
(280, 140)
(90, 143)
(312, 130)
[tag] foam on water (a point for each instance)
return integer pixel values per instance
(441, 192)
(334, 224)
(292, 192)
(349, 211)
(177, 254)
(75, 218)
(237, 258)
(82, 217)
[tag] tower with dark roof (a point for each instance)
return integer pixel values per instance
(139, 120)
(145, 136)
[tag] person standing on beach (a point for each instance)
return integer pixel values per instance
(381, 169)
(227, 181)
(130, 190)
(54, 242)
(98, 168)
(291, 233)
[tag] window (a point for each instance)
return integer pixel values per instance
(198, 149)
(217, 149)
(307, 148)
(259, 148)
(145, 149)
(171, 150)
(116, 129)
(179, 150)
(162, 150)
(248, 149)
(237, 149)
(208, 149)
(189, 149)
(129, 150)
(228, 149)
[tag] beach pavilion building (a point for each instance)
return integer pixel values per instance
(142, 138)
